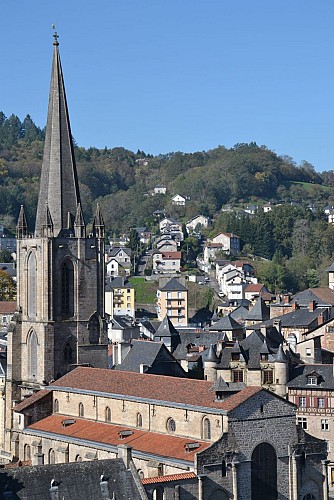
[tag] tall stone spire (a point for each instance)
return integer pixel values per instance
(59, 183)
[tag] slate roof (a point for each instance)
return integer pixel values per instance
(298, 377)
(227, 323)
(166, 329)
(119, 282)
(173, 285)
(250, 348)
(144, 386)
(260, 311)
(240, 313)
(154, 443)
(154, 355)
(115, 250)
(75, 481)
(330, 269)
(196, 339)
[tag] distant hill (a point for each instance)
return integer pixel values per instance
(121, 180)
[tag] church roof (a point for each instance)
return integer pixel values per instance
(59, 184)
(182, 391)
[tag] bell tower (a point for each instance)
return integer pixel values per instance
(60, 321)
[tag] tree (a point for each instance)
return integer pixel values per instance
(7, 286)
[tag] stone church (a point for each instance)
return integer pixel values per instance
(181, 438)
(59, 322)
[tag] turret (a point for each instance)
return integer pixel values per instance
(210, 365)
(281, 372)
(22, 226)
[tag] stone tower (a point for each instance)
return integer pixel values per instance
(60, 271)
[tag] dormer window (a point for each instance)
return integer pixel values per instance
(311, 380)
(264, 357)
(235, 356)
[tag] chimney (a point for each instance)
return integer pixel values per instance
(294, 306)
(321, 319)
(286, 299)
(311, 306)
(277, 323)
(125, 453)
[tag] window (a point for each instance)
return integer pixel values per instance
(81, 410)
(56, 406)
(139, 420)
(321, 402)
(141, 474)
(78, 458)
(308, 351)
(303, 422)
(108, 414)
(206, 428)
(179, 295)
(268, 376)
(27, 452)
(32, 355)
(68, 353)
(238, 376)
(169, 312)
(302, 401)
(224, 471)
(32, 271)
(128, 290)
(51, 456)
(324, 424)
(235, 356)
(311, 380)
(264, 357)
(169, 295)
(170, 425)
(67, 289)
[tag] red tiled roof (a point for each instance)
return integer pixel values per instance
(254, 287)
(171, 477)
(171, 255)
(32, 399)
(7, 307)
(143, 441)
(147, 386)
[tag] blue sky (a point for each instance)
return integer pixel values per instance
(178, 75)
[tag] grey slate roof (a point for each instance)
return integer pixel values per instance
(119, 282)
(240, 313)
(298, 376)
(196, 339)
(59, 184)
(115, 250)
(227, 323)
(260, 311)
(154, 355)
(250, 348)
(212, 355)
(221, 386)
(166, 329)
(173, 285)
(72, 481)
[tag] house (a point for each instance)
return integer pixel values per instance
(196, 223)
(160, 189)
(7, 310)
(254, 290)
(311, 388)
(119, 261)
(166, 244)
(122, 329)
(7, 243)
(218, 434)
(144, 235)
(228, 326)
(230, 241)
(267, 207)
(178, 200)
(172, 300)
(119, 297)
(166, 262)
(168, 224)
(251, 209)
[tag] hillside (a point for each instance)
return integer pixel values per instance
(120, 182)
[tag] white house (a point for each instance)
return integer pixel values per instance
(119, 261)
(179, 200)
(230, 242)
(166, 262)
(160, 190)
(198, 221)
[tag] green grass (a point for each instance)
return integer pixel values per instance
(306, 185)
(145, 291)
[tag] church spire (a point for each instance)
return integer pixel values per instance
(22, 226)
(59, 183)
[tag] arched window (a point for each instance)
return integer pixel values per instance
(81, 410)
(108, 414)
(78, 458)
(171, 425)
(68, 352)
(51, 456)
(27, 452)
(94, 329)
(206, 428)
(32, 286)
(32, 355)
(141, 474)
(56, 406)
(67, 289)
(264, 472)
(139, 420)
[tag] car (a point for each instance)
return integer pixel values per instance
(200, 283)
(221, 294)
